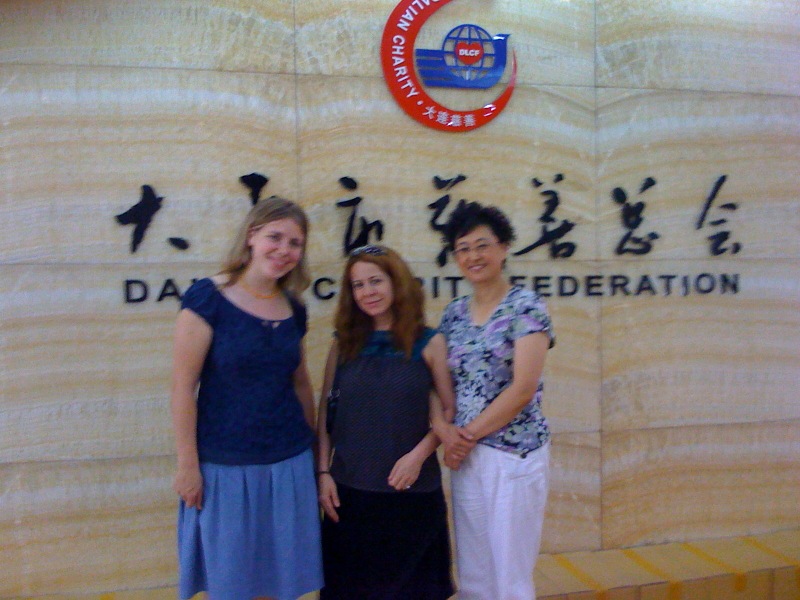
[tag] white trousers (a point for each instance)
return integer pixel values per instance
(498, 509)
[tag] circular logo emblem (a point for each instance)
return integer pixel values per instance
(469, 58)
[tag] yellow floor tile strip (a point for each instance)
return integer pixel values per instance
(600, 592)
(675, 588)
(779, 555)
(740, 578)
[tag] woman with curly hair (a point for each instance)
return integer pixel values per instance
(384, 532)
(497, 339)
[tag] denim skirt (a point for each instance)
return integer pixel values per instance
(258, 532)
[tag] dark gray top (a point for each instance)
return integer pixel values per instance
(382, 414)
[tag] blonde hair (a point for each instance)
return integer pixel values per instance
(265, 211)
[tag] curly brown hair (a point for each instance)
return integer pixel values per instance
(353, 326)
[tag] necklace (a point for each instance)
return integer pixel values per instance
(256, 294)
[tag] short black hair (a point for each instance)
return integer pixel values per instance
(469, 215)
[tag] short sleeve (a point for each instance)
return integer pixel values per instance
(422, 342)
(532, 317)
(202, 298)
(300, 315)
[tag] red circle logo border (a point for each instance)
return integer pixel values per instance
(397, 60)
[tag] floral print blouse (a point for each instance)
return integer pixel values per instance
(481, 359)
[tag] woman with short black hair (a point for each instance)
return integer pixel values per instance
(497, 339)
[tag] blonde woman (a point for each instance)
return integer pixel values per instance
(243, 415)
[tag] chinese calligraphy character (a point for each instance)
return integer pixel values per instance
(366, 227)
(141, 214)
(551, 236)
(255, 182)
(439, 206)
(631, 219)
(718, 239)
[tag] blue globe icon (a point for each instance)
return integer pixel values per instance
(471, 36)
(469, 58)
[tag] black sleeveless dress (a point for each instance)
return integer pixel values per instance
(388, 545)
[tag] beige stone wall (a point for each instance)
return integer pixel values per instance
(675, 417)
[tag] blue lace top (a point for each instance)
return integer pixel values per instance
(247, 409)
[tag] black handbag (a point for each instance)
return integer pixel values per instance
(332, 402)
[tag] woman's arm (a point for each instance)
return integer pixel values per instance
(441, 409)
(529, 355)
(457, 442)
(192, 341)
(328, 493)
(435, 355)
(304, 389)
(406, 470)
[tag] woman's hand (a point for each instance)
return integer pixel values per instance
(328, 496)
(405, 472)
(457, 441)
(188, 484)
(450, 460)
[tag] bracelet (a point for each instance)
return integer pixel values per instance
(323, 472)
